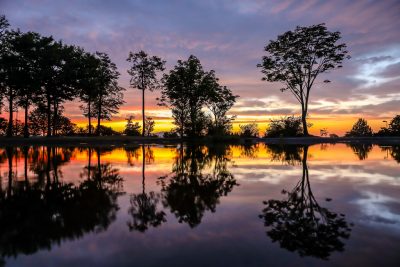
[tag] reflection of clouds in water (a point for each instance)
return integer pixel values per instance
(377, 208)
(353, 174)
(268, 175)
(276, 174)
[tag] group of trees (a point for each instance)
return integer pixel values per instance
(188, 90)
(39, 74)
(362, 129)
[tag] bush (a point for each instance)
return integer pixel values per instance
(248, 130)
(106, 131)
(170, 134)
(285, 127)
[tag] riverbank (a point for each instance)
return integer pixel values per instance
(130, 140)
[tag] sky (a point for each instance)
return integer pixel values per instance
(228, 36)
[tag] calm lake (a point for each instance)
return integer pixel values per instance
(254, 205)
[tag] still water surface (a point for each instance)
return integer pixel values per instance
(322, 205)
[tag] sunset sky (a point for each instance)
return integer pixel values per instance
(228, 36)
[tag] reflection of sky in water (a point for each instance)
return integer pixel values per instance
(366, 191)
(380, 209)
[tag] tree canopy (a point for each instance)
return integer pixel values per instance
(187, 90)
(143, 74)
(360, 129)
(298, 57)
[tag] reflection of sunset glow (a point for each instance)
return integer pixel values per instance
(164, 157)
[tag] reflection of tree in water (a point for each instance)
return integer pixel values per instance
(361, 150)
(300, 224)
(394, 152)
(289, 154)
(188, 192)
(144, 206)
(249, 150)
(36, 215)
(132, 152)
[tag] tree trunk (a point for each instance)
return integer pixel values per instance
(48, 117)
(143, 116)
(55, 118)
(98, 122)
(10, 119)
(26, 130)
(98, 117)
(304, 121)
(90, 122)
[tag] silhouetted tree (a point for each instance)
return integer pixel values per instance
(19, 71)
(186, 90)
(131, 128)
(88, 84)
(143, 74)
(38, 122)
(360, 129)
(3, 51)
(300, 224)
(297, 57)
(149, 126)
(109, 96)
(59, 73)
(394, 126)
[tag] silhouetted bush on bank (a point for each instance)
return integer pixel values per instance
(285, 127)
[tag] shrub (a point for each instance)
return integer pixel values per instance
(285, 127)
(248, 130)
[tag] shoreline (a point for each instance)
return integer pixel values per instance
(128, 140)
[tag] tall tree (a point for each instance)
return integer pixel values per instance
(25, 47)
(59, 72)
(10, 72)
(186, 89)
(109, 96)
(143, 74)
(297, 57)
(88, 84)
(3, 49)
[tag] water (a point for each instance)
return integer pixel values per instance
(323, 205)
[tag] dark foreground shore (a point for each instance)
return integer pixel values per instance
(128, 140)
